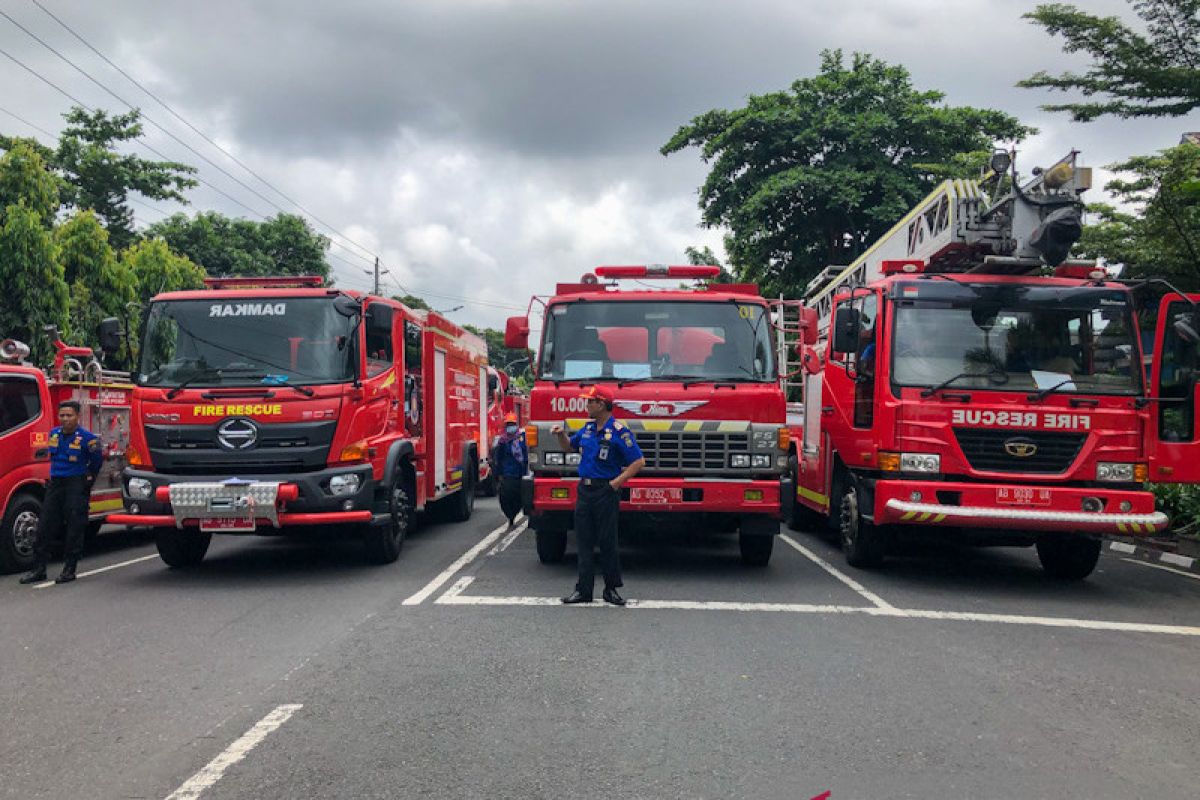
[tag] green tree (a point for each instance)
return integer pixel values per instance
(500, 356)
(101, 285)
(705, 257)
(809, 177)
(412, 301)
(282, 245)
(35, 292)
(25, 179)
(1162, 237)
(1132, 74)
(156, 269)
(101, 178)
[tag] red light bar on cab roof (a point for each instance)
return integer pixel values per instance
(909, 266)
(659, 271)
(279, 282)
(1081, 270)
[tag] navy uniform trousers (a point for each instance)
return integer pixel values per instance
(66, 504)
(596, 526)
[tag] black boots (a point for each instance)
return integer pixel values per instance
(37, 575)
(577, 597)
(68, 573)
(611, 596)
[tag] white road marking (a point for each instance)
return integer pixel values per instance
(1177, 560)
(1191, 575)
(212, 772)
(91, 572)
(458, 565)
(866, 593)
(1122, 547)
(507, 540)
(453, 597)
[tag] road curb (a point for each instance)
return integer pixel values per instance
(1127, 548)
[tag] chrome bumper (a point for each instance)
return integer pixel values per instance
(225, 500)
(932, 512)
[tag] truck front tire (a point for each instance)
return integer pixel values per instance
(863, 543)
(1068, 558)
(181, 549)
(384, 541)
(18, 533)
(756, 540)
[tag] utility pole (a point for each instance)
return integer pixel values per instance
(377, 272)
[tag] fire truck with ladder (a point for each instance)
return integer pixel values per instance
(693, 369)
(973, 381)
(268, 405)
(29, 399)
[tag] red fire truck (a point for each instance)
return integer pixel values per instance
(973, 381)
(266, 404)
(29, 399)
(694, 372)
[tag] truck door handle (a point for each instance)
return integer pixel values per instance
(826, 410)
(41, 453)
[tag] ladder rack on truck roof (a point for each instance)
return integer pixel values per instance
(960, 228)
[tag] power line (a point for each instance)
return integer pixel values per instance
(24, 121)
(200, 133)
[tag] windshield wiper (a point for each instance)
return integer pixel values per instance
(995, 374)
(208, 373)
(281, 380)
(1042, 394)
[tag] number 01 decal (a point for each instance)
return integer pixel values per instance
(745, 312)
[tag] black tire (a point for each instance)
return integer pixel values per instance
(383, 542)
(551, 546)
(18, 533)
(863, 543)
(488, 487)
(181, 549)
(1068, 558)
(462, 503)
(756, 549)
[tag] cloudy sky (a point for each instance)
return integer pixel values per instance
(486, 148)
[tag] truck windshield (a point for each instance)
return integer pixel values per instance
(223, 342)
(642, 340)
(1014, 338)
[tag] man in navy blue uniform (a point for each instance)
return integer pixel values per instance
(75, 460)
(609, 456)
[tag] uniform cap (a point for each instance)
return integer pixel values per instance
(510, 417)
(597, 393)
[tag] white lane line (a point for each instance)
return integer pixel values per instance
(458, 588)
(507, 540)
(91, 572)
(212, 772)
(453, 598)
(1191, 575)
(866, 593)
(465, 559)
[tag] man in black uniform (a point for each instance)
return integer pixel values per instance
(609, 456)
(75, 461)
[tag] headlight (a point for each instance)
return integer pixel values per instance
(920, 462)
(760, 461)
(572, 459)
(1121, 473)
(739, 460)
(140, 488)
(344, 484)
(554, 459)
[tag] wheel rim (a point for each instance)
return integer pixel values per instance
(849, 520)
(25, 533)
(399, 514)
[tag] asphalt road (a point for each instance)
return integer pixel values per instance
(285, 669)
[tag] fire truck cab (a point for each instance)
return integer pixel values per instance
(266, 404)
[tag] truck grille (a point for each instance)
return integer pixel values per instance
(985, 450)
(280, 448)
(691, 451)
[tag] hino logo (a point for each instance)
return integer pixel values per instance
(1020, 448)
(237, 434)
(660, 408)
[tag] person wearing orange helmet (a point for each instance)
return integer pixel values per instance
(609, 456)
(510, 459)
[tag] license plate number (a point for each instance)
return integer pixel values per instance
(1022, 496)
(227, 524)
(655, 497)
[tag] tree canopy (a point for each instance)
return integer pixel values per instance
(281, 245)
(1132, 74)
(809, 177)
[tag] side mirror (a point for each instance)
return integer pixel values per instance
(516, 333)
(846, 323)
(1187, 327)
(347, 306)
(808, 325)
(110, 335)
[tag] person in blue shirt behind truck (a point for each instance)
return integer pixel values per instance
(75, 461)
(608, 456)
(510, 459)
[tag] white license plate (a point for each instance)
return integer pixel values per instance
(655, 497)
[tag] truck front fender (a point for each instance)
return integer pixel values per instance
(397, 452)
